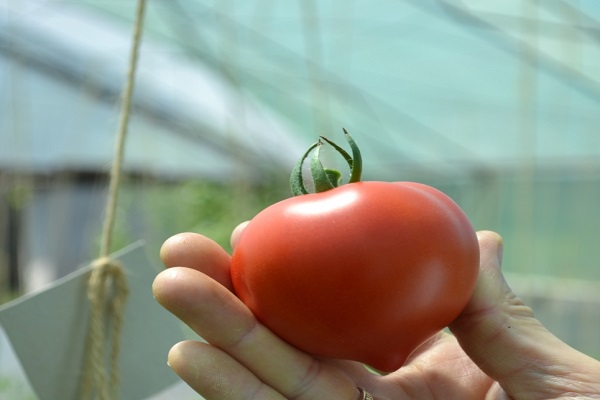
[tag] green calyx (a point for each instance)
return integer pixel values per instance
(324, 178)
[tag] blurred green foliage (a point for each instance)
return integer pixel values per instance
(155, 210)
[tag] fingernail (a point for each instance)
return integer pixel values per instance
(488, 238)
(500, 249)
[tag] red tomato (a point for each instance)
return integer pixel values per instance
(366, 271)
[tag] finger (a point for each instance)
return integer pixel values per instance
(225, 322)
(215, 375)
(192, 250)
(499, 332)
(487, 325)
(235, 235)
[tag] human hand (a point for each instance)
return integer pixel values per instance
(498, 350)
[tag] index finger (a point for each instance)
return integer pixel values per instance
(195, 251)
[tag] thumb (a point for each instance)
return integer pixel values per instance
(500, 334)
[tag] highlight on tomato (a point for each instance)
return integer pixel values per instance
(365, 271)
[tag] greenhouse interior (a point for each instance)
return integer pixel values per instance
(496, 104)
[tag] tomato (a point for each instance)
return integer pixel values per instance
(365, 271)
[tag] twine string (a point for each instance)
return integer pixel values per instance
(107, 292)
(107, 286)
(117, 167)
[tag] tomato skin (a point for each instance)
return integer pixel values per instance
(366, 271)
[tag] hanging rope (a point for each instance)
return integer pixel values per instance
(107, 285)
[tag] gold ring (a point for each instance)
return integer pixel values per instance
(364, 395)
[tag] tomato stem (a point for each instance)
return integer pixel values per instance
(296, 179)
(324, 178)
(356, 169)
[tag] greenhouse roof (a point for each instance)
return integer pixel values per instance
(440, 86)
(62, 70)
